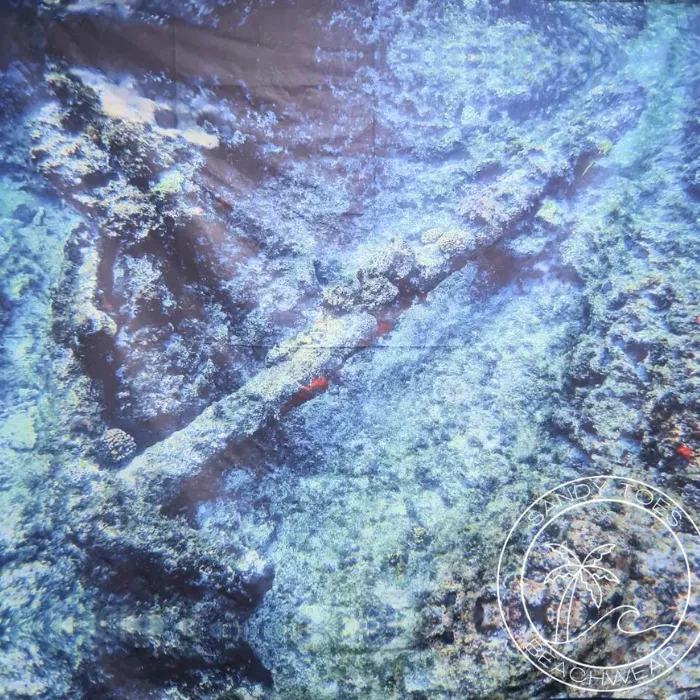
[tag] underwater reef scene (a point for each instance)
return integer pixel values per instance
(302, 302)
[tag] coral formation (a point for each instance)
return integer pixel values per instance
(116, 445)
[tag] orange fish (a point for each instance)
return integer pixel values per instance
(684, 451)
(317, 384)
(224, 203)
(383, 327)
(307, 391)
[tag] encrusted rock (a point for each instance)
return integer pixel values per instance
(452, 241)
(165, 118)
(376, 292)
(23, 213)
(338, 297)
(395, 262)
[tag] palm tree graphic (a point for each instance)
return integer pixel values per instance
(586, 574)
(577, 573)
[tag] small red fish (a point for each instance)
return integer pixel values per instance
(317, 384)
(383, 327)
(224, 203)
(684, 451)
(697, 320)
(307, 391)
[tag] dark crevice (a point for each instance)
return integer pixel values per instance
(258, 453)
(186, 274)
(143, 576)
(133, 672)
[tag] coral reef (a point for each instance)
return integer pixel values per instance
(301, 304)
